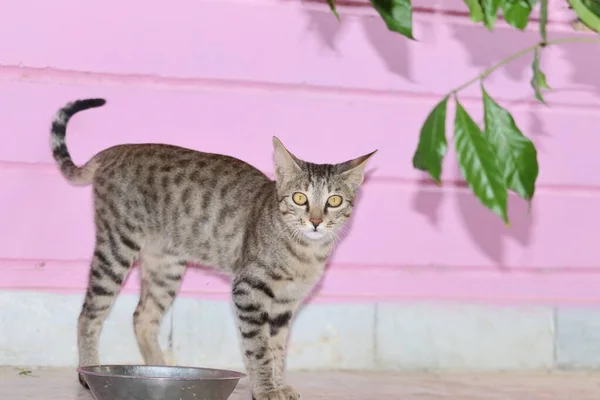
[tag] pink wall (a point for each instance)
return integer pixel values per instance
(224, 76)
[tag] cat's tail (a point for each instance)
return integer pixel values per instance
(78, 176)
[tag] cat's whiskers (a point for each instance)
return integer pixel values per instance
(297, 235)
(335, 237)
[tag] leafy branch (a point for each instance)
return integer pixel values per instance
(498, 158)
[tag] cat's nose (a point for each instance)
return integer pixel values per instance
(315, 222)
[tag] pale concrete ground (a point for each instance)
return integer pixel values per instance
(61, 383)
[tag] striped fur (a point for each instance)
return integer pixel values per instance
(75, 175)
(168, 206)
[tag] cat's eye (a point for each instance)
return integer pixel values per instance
(299, 198)
(334, 201)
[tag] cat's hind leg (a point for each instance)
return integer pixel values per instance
(113, 255)
(161, 278)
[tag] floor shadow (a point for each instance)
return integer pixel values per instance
(488, 48)
(391, 47)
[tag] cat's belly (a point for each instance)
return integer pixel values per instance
(219, 255)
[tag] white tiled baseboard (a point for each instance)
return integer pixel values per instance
(464, 336)
(40, 329)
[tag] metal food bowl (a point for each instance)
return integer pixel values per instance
(145, 382)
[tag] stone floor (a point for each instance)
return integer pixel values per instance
(60, 383)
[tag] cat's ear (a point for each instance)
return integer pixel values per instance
(353, 171)
(285, 162)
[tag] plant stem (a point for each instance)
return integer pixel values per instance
(518, 54)
(544, 20)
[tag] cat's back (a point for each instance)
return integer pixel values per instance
(173, 165)
(170, 179)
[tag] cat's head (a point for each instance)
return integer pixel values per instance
(316, 200)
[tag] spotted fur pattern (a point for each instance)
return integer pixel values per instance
(169, 206)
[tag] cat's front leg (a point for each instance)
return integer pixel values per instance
(279, 327)
(283, 393)
(253, 301)
(283, 311)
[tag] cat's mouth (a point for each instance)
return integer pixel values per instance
(314, 234)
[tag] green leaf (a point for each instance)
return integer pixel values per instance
(538, 80)
(490, 12)
(478, 164)
(475, 10)
(588, 11)
(516, 12)
(544, 20)
(397, 15)
(333, 8)
(516, 155)
(593, 6)
(432, 145)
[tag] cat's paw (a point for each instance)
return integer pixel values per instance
(283, 393)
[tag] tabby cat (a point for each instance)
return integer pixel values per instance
(169, 206)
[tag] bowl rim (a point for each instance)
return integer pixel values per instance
(235, 375)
